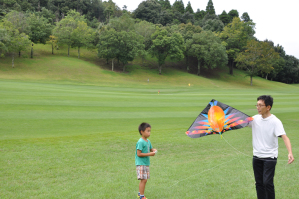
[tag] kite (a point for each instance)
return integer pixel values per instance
(217, 118)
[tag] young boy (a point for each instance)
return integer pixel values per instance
(144, 149)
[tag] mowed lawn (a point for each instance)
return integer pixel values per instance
(78, 141)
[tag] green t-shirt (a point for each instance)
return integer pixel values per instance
(144, 147)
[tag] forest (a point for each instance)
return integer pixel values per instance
(202, 39)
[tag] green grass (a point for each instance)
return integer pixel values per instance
(71, 132)
(92, 71)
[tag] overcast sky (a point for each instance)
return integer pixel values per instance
(275, 20)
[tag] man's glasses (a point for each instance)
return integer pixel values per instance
(259, 106)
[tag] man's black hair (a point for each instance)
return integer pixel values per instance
(268, 100)
(143, 126)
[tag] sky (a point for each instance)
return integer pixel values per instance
(275, 20)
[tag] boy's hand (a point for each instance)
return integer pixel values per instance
(154, 152)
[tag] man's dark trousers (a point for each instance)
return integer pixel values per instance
(264, 169)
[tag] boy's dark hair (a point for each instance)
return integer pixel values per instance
(143, 126)
(268, 100)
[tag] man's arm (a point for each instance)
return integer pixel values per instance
(289, 148)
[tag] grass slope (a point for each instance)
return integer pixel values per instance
(89, 70)
(66, 135)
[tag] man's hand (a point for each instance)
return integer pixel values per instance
(291, 158)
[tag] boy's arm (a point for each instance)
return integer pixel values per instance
(289, 148)
(139, 154)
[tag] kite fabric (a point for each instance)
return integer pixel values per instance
(217, 118)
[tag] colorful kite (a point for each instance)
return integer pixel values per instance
(217, 118)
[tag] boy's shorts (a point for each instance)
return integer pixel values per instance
(142, 172)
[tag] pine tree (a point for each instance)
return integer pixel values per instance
(224, 17)
(232, 14)
(210, 8)
(167, 5)
(245, 17)
(200, 14)
(189, 8)
(178, 5)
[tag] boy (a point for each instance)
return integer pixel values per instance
(144, 149)
(266, 128)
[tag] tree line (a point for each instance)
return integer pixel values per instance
(155, 28)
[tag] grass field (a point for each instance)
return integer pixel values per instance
(65, 135)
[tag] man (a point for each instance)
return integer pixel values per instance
(266, 128)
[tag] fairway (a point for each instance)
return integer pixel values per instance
(67, 140)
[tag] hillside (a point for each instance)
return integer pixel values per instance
(91, 70)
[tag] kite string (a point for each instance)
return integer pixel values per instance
(216, 165)
(235, 148)
(202, 172)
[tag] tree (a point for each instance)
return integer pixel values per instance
(212, 23)
(124, 46)
(125, 23)
(145, 29)
(200, 14)
(165, 45)
(165, 4)
(81, 36)
(208, 50)
(224, 17)
(258, 56)
(245, 17)
(4, 39)
(95, 10)
(111, 10)
(14, 41)
(187, 18)
(19, 21)
(210, 8)
(47, 14)
(38, 4)
(53, 41)
(108, 12)
(232, 14)
(289, 72)
(125, 9)
(148, 10)
(25, 5)
(108, 45)
(166, 17)
(64, 29)
(189, 8)
(178, 5)
(40, 29)
(235, 36)
(277, 67)
(187, 31)
(130, 45)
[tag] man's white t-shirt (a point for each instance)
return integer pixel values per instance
(265, 132)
